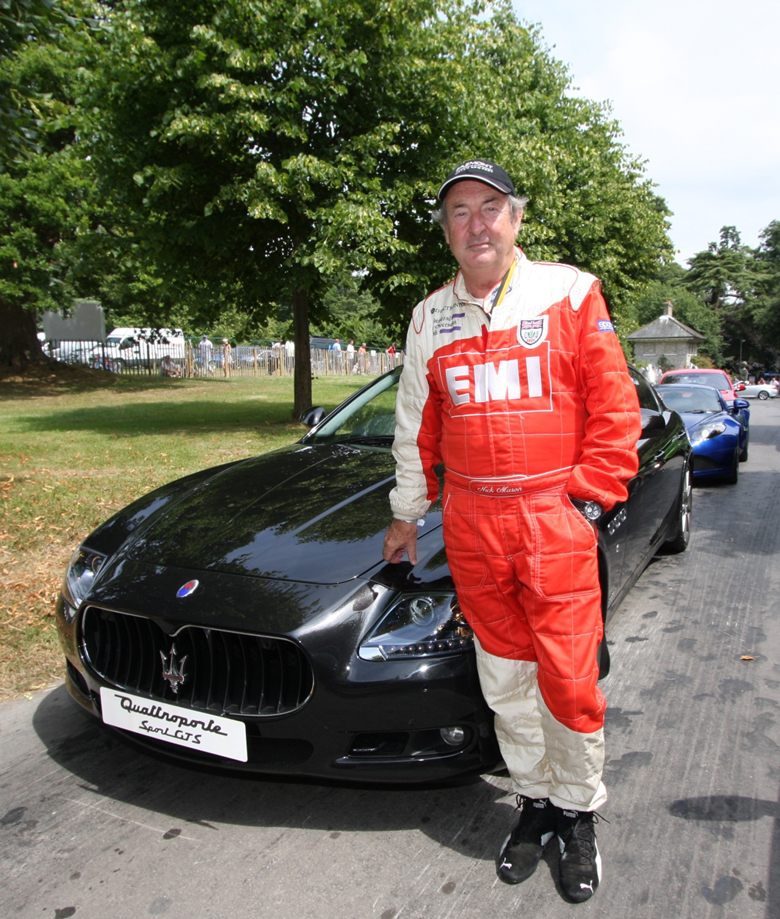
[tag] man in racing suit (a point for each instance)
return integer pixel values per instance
(515, 380)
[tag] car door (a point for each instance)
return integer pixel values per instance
(654, 491)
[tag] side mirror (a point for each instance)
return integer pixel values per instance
(651, 421)
(739, 404)
(312, 416)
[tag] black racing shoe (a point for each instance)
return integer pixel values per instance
(580, 865)
(523, 848)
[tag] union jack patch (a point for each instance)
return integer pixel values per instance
(532, 332)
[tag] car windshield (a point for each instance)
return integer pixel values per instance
(685, 399)
(716, 379)
(368, 417)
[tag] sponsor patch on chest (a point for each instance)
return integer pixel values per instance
(505, 380)
(532, 332)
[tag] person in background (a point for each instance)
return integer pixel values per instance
(205, 349)
(168, 368)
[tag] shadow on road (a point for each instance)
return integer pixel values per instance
(467, 818)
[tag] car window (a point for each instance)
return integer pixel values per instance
(716, 378)
(683, 399)
(645, 392)
(368, 416)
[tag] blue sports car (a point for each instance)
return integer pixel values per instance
(719, 434)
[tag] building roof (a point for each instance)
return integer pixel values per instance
(663, 329)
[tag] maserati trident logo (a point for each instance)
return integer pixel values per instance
(186, 589)
(173, 670)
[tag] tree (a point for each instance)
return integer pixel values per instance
(724, 277)
(265, 150)
(689, 308)
(720, 273)
(21, 107)
(764, 311)
(251, 140)
(46, 197)
(251, 155)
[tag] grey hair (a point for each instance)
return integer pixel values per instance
(517, 205)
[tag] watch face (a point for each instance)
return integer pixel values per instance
(592, 510)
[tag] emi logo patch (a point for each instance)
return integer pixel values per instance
(605, 326)
(532, 332)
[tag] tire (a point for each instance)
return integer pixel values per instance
(762, 395)
(743, 456)
(733, 477)
(679, 542)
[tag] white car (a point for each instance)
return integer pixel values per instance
(136, 347)
(756, 390)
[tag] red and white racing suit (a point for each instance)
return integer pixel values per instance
(526, 399)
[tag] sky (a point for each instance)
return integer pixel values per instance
(695, 87)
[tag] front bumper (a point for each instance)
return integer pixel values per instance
(389, 722)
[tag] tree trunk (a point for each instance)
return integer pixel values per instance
(18, 336)
(302, 383)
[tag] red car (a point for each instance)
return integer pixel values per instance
(718, 379)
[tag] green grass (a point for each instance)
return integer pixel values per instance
(74, 449)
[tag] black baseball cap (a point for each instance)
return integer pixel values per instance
(482, 171)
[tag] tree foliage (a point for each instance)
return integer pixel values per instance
(689, 308)
(764, 310)
(260, 158)
(23, 109)
(269, 149)
(731, 294)
(46, 200)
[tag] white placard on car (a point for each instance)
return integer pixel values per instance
(171, 723)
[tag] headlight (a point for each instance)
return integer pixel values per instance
(418, 625)
(707, 432)
(83, 567)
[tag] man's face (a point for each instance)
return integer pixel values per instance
(479, 229)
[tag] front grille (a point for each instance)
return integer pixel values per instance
(222, 672)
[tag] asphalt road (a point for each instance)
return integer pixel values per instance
(92, 828)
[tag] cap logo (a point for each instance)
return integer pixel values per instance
(475, 164)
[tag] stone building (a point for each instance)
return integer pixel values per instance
(666, 341)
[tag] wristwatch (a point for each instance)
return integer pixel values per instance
(590, 510)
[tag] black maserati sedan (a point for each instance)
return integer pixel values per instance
(243, 616)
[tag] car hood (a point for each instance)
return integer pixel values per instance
(309, 513)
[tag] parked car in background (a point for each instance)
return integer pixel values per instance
(760, 391)
(719, 439)
(138, 347)
(703, 377)
(71, 352)
(243, 616)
